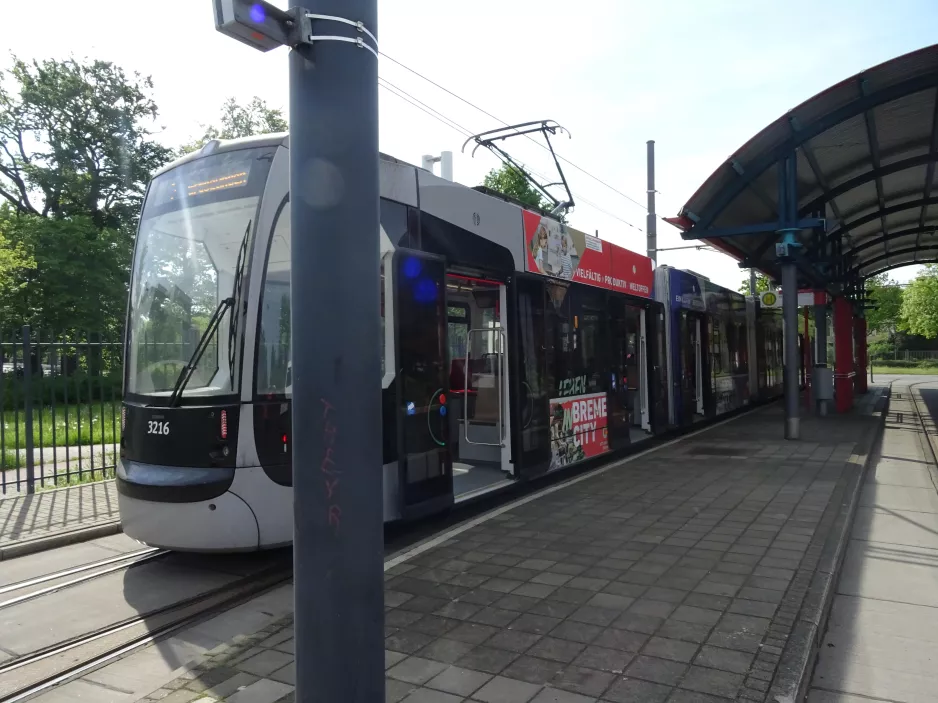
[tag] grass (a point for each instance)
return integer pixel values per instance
(77, 479)
(63, 426)
(904, 370)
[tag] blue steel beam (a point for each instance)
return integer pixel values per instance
(873, 139)
(894, 235)
(817, 171)
(891, 210)
(869, 176)
(932, 258)
(809, 131)
(760, 228)
(892, 255)
(930, 171)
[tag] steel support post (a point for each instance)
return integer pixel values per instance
(338, 542)
(651, 220)
(790, 321)
(820, 334)
(859, 328)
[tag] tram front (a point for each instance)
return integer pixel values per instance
(188, 476)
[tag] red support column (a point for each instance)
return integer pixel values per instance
(843, 355)
(859, 327)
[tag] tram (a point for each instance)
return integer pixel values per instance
(545, 344)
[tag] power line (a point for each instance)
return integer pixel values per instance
(452, 124)
(528, 137)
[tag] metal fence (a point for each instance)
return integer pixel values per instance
(59, 409)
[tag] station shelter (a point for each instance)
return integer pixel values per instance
(837, 190)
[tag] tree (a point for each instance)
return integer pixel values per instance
(72, 276)
(886, 297)
(241, 121)
(509, 181)
(919, 310)
(74, 140)
(762, 284)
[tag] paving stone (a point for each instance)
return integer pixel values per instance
(262, 691)
(628, 690)
(407, 642)
(675, 650)
(533, 669)
(265, 662)
(700, 616)
(556, 649)
(684, 696)
(458, 681)
(426, 695)
(623, 640)
(742, 606)
(576, 631)
(416, 670)
(724, 659)
(487, 659)
(584, 680)
(535, 624)
(663, 671)
(712, 681)
(604, 659)
(505, 690)
(654, 608)
(446, 650)
(705, 600)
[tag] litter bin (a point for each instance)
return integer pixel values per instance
(823, 386)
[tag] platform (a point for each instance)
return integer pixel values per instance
(678, 574)
(54, 518)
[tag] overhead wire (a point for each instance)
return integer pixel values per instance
(528, 137)
(452, 124)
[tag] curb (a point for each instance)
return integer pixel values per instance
(796, 666)
(62, 539)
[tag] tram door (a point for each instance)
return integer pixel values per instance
(692, 372)
(643, 370)
(424, 463)
(478, 382)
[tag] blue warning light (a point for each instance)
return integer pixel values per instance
(412, 267)
(443, 410)
(425, 291)
(257, 13)
(411, 409)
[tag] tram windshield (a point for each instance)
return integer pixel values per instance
(190, 267)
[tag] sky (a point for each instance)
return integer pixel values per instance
(699, 77)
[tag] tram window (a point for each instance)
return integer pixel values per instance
(394, 221)
(273, 347)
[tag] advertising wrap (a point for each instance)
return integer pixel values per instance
(578, 428)
(558, 251)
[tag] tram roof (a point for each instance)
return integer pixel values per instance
(864, 152)
(257, 140)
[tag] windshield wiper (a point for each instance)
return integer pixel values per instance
(236, 296)
(199, 350)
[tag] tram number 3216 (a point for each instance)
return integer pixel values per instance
(157, 427)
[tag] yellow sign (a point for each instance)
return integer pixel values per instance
(769, 299)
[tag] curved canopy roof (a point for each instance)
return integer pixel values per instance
(864, 152)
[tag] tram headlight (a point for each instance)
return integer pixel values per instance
(224, 425)
(123, 417)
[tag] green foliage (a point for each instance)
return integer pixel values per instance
(73, 140)
(74, 277)
(886, 296)
(509, 181)
(919, 309)
(61, 390)
(14, 264)
(240, 121)
(762, 284)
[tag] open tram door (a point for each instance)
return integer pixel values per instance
(477, 361)
(422, 400)
(692, 370)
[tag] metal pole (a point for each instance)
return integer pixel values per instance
(651, 220)
(790, 319)
(752, 282)
(28, 409)
(338, 541)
